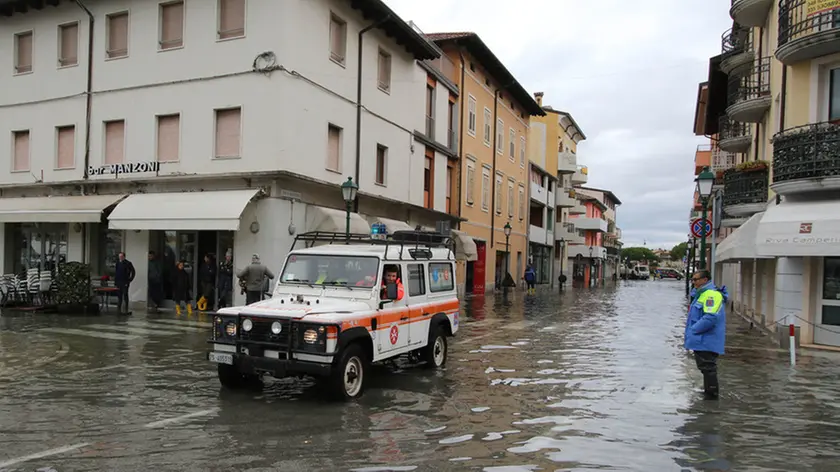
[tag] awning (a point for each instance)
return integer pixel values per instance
(740, 245)
(184, 211)
(334, 221)
(800, 229)
(77, 209)
(390, 225)
(465, 248)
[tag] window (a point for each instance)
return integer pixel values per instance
(452, 124)
(334, 148)
(512, 144)
(471, 118)
(485, 189)
(68, 45)
(550, 219)
(231, 19)
(522, 151)
(338, 39)
(521, 202)
(430, 111)
(510, 198)
(381, 163)
(23, 52)
(500, 136)
(20, 162)
(228, 132)
(171, 25)
(498, 193)
(830, 300)
(450, 183)
(440, 277)
(65, 149)
(416, 280)
(384, 71)
(168, 137)
(488, 126)
(834, 95)
(117, 25)
(428, 180)
(470, 183)
(347, 271)
(115, 142)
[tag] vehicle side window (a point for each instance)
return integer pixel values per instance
(441, 277)
(416, 280)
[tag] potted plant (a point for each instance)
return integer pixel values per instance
(752, 166)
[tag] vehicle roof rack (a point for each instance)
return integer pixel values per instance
(402, 239)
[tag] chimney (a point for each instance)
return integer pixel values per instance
(538, 96)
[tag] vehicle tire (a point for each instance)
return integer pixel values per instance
(435, 353)
(230, 377)
(347, 381)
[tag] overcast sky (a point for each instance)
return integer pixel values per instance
(627, 71)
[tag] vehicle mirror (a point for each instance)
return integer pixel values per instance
(391, 291)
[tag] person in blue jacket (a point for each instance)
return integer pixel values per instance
(705, 328)
(530, 279)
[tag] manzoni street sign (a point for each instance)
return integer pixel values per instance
(128, 168)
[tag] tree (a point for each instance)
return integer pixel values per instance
(638, 254)
(679, 251)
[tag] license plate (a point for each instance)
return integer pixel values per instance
(221, 358)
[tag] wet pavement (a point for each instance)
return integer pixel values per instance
(587, 380)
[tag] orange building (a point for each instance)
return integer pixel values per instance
(587, 258)
(495, 111)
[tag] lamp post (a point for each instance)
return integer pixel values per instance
(705, 181)
(562, 256)
(507, 230)
(688, 256)
(349, 189)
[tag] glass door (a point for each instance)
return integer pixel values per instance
(188, 252)
(827, 329)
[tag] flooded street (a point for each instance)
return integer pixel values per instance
(587, 380)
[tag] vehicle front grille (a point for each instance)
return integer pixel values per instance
(261, 332)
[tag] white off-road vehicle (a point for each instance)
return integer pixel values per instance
(337, 308)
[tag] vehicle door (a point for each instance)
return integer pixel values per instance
(417, 304)
(441, 288)
(392, 330)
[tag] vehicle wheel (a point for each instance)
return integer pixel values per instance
(347, 381)
(436, 351)
(230, 377)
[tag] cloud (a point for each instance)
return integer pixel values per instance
(628, 73)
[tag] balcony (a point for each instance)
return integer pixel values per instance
(566, 162)
(745, 190)
(567, 232)
(565, 199)
(539, 194)
(578, 209)
(750, 12)
(733, 136)
(807, 159)
(702, 158)
(597, 252)
(537, 235)
(736, 49)
(804, 36)
(591, 224)
(749, 91)
(722, 160)
(581, 176)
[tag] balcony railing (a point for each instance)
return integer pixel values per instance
(430, 127)
(733, 136)
(736, 47)
(807, 31)
(806, 152)
(722, 160)
(750, 81)
(750, 12)
(745, 187)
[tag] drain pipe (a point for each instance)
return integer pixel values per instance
(359, 103)
(89, 89)
(492, 189)
(461, 132)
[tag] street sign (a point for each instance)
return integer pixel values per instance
(700, 227)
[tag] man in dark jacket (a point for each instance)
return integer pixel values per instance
(123, 276)
(207, 276)
(155, 283)
(225, 281)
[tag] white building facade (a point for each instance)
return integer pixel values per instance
(205, 127)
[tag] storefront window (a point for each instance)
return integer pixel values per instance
(112, 244)
(41, 245)
(831, 292)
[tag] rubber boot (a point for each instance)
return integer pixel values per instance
(189, 309)
(710, 386)
(178, 309)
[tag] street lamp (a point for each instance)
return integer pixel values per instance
(562, 256)
(705, 181)
(349, 189)
(507, 230)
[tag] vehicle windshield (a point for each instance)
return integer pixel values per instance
(329, 270)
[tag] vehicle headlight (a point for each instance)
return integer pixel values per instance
(310, 336)
(247, 325)
(230, 329)
(276, 327)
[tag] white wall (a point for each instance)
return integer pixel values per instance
(74, 243)
(788, 295)
(137, 251)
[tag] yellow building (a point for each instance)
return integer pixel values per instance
(495, 111)
(773, 99)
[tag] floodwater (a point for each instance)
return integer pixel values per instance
(593, 379)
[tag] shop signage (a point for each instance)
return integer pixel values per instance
(128, 168)
(811, 241)
(816, 7)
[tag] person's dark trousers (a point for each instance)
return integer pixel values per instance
(252, 296)
(156, 295)
(707, 363)
(224, 293)
(122, 296)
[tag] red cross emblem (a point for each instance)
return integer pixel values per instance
(395, 334)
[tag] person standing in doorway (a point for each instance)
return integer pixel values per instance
(123, 276)
(225, 280)
(705, 329)
(530, 278)
(155, 292)
(182, 288)
(254, 276)
(207, 278)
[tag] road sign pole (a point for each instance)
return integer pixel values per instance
(703, 235)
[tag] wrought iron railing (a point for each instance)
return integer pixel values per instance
(807, 152)
(722, 160)
(750, 81)
(735, 41)
(796, 22)
(731, 129)
(744, 187)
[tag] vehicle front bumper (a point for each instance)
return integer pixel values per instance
(277, 368)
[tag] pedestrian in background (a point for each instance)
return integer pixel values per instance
(155, 279)
(705, 329)
(123, 276)
(225, 280)
(530, 278)
(182, 288)
(254, 276)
